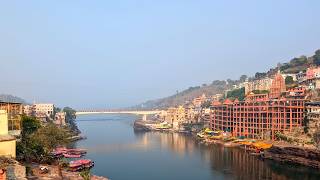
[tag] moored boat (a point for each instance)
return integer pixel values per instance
(66, 155)
(81, 164)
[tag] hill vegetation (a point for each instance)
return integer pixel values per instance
(216, 87)
(295, 65)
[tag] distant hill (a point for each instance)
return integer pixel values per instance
(11, 98)
(295, 65)
(187, 95)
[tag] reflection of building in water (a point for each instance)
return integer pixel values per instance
(178, 143)
(236, 162)
(233, 163)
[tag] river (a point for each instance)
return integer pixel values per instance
(121, 153)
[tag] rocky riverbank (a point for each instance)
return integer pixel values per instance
(294, 154)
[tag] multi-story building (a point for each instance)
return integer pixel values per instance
(278, 86)
(60, 118)
(28, 110)
(312, 73)
(296, 92)
(313, 115)
(264, 118)
(221, 116)
(190, 114)
(7, 142)
(260, 118)
(14, 111)
(301, 76)
(260, 115)
(175, 116)
(216, 97)
(47, 109)
(259, 84)
(197, 102)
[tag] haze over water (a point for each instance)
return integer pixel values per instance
(120, 152)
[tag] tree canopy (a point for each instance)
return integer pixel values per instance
(38, 141)
(236, 93)
(289, 80)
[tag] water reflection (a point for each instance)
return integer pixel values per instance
(233, 163)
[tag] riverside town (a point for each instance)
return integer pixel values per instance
(273, 116)
(160, 90)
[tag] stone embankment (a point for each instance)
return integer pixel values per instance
(294, 154)
(143, 125)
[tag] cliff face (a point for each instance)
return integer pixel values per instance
(295, 155)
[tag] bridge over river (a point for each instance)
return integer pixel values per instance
(135, 112)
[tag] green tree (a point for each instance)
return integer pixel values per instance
(29, 125)
(218, 83)
(260, 75)
(50, 136)
(243, 78)
(27, 149)
(70, 113)
(289, 80)
(70, 119)
(237, 93)
(316, 57)
(206, 104)
(38, 141)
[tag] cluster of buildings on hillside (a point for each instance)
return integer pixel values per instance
(269, 107)
(310, 79)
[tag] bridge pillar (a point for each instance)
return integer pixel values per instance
(144, 117)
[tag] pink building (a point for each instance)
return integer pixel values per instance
(312, 73)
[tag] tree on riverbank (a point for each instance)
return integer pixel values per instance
(70, 119)
(38, 141)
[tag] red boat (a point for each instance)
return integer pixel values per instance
(58, 152)
(78, 165)
(66, 155)
(74, 167)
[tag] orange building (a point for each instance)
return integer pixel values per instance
(258, 118)
(221, 116)
(278, 86)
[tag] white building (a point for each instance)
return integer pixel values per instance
(44, 109)
(294, 76)
(28, 110)
(60, 118)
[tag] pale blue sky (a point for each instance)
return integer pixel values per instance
(123, 52)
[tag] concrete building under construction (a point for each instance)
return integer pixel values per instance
(259, 115)
(14, 111)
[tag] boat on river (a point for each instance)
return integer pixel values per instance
(79, 165)
(66, 155)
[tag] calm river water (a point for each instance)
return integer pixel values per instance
(121, 153)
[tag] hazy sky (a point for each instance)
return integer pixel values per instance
(87, 53)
